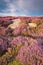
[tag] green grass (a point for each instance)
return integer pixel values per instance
(14, 62)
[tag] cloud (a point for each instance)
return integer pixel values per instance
(10, 14)
(10, 6)
(23, 7)
(12, 9)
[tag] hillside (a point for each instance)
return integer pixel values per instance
(21, 40)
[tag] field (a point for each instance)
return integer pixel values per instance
(21, 40)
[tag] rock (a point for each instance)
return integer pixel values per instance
(15, 23)
(32, 25)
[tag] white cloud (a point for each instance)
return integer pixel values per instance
(7, 1)
(7, 14)
(10, 6)
(24, 7)
(12, 9)
(11, 14)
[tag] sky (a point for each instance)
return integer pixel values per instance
(21, 7)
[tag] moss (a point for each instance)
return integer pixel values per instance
(17, 48)
(14, 62)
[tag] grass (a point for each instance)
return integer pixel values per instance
(14, 62)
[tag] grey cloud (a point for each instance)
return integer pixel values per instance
(29, 5)
(25, 6)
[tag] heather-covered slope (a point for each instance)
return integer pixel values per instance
(21, 41)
